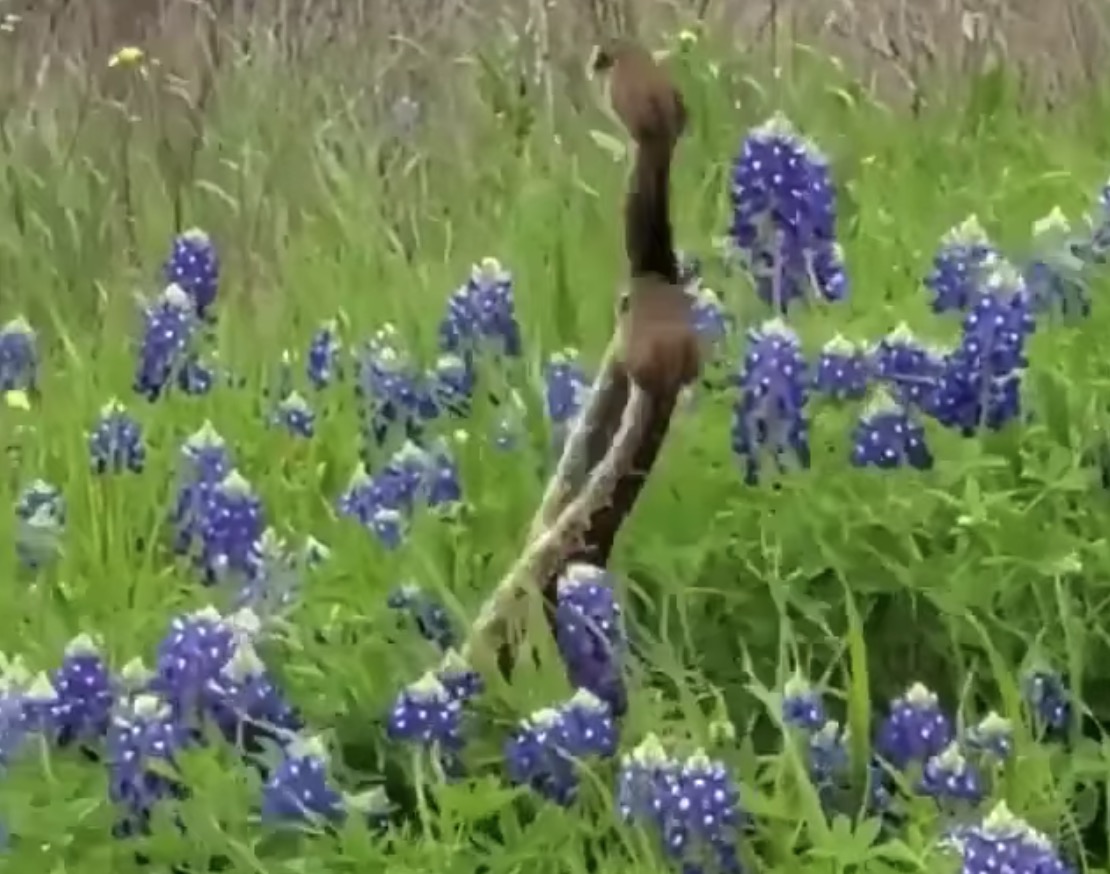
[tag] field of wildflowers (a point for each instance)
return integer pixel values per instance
(855, 623)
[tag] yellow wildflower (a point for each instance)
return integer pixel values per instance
(128, 56)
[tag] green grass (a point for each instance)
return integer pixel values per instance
(871, 581)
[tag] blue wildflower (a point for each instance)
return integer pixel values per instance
(543, 751)
(802, 707)
(915, 729)
(993, 734)
(233, 520)
(1055, 274)
(960, 265)
(275, 573)
(843, 370)
(770, 412)
(194, 265)
(169, 327)
(392, 391)
(245, 703)
(452, 385)
(85, 693)
(482, 314)
(827, 754)
(590, 633)
(294, 414)
(463, 683)
(426, 713)
(205, 461)
(886, 437)
(116, 441)
(1004, 843)
(1048, 699)
(784, 216)
(566, 387)
(19, 358)
(949, 776)
(911, 370)
(299, 790)
(711, 320)
(323, 365)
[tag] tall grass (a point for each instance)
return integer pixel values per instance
(324, 203)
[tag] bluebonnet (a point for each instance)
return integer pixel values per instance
(481, 314)
(590, 633)
(949, 776)
(784, 216)
(166, 343)
(692, 806)
(323, 365)
(909, 369)
(1056, 272)
(452, 385)
(245, 703)
(86, 693)
(205, 461)
(1047, 698)
(19, 357)
(25, 706)
(544, 749)
(802, 706)
(40, 513)
(463, 683)
(275, 573)
(294, 414)
(886, 436)
(391, 389)
(993, 734)
(914, 729)
(194, 266)
(426, 713)
(827, 753)
(233, 519)
(195, 377)
(1002, 842)
(982, 377)
(711, 320)
(116, 441)
(566, 387)
(769, 415)
(429, 615)
(843, 370)
(1098, 245)
(144, 741)
(960, 265)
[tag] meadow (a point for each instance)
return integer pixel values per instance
(282, 390)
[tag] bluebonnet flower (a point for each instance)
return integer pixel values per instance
(25, 705)
(205, 461)
(1055, 273)
(85, 693)
(784, 216)
(233, 519)
(19, 358)
(195, 377)
(711, 320)
(144, 740)
(993, 734)
(40, 513)
(566, 387)
(452, 385)
(482, 314)
(886, 437)
(915, 728)
(169, 327)
(982, 376)
(391, 389)
(194, 265)
(828, 753)
(1048, 698)
(429, 615)
(590, 633)
(949, 776)
(1004, 843)
(693, 806)
(543, 750)
(295, 415)
(1098, 246)
(300, 790)
(275, 573)
(843, 370)
(426, 713)
(244, 701)
(960, 265)
(116, 441)
(910, 369)
(323, 365)
(463, 683)
(802, 706)
(770, 412)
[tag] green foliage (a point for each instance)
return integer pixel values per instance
(954, 577)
